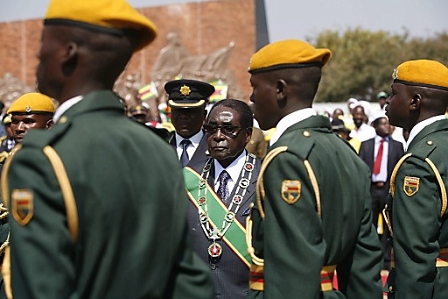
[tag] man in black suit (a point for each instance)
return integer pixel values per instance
(381, 153)
(187, 99)
(219, 208)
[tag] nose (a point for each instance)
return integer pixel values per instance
(218, 135)
(20, 127)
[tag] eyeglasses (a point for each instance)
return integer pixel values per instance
(228, 130)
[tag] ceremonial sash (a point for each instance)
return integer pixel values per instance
(235, 237)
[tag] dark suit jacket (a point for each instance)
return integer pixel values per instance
(199, 156)
(395, 152)
(231, 274)
(131, 204)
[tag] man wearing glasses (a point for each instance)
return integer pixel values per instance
(187, 99)
(221, 190)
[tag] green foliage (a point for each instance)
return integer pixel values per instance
(362, 61)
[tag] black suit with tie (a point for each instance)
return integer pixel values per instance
(199, 156)
(230, 274)
(380, 190)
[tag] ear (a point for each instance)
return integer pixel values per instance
(415, 102)
(281, 90)
(248, 134)
(70, 58)
(49, 124)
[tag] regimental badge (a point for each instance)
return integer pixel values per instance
(28, 109)
(395, 74)
(22, 205)
(410, 185)
(291, 191)
(185, 90)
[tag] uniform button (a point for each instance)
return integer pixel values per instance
(429, 142)
(306, 134)
(63, 119)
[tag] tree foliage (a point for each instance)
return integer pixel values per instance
(362, 61)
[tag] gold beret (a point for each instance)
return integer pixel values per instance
(32, 103)
(102, 15)
(427, 73)
(288, 54)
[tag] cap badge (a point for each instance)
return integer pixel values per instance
(185, 90)
(291, 191)
(410, 185)
(28, 109)
(395, 74)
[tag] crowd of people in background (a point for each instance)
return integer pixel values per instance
(230, 200)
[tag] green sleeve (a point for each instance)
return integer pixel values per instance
(41, 250)
(293, 241)
(416, 225)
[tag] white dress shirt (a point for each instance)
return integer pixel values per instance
(234, 170)
(195, 139)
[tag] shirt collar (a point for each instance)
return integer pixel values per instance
(65, 106)
(234, 169)
(420, 126)
(289, 120)
(195, 139)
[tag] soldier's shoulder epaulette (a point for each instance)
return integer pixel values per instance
(3, 138)
(42, 138)
(423, 149)
(300, 143)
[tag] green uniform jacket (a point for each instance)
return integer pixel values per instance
(294, 240)
(131, 204)
(419, 229)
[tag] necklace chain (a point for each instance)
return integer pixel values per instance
(214, 234)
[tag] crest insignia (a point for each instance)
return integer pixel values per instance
(22, 205)
(291, 191)
(185, 90)
(410, 185)
(395, 74)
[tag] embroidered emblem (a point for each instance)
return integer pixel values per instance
(22, 205)
(395, 74)
(28, 109)
(291, 191)
(185, 90)
(410, 185)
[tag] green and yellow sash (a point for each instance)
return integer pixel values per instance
(235, 237)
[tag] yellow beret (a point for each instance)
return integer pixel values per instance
(287, 54)
(427, 73)
(32, 103)
(102, 15)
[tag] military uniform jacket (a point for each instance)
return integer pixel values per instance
(418, 221)
(316, 213)
(129, 240)
(200, 156)
(231, 275)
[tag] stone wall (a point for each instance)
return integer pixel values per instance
(203, 27)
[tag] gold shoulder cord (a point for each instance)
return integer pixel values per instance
(314, 184)
(66, 188)
(392, 188)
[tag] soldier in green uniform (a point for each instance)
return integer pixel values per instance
(417, 203)
(312, 214)
(97, 203)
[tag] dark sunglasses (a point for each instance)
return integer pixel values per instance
(228, 130)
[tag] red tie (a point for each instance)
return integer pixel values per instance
(379, 158)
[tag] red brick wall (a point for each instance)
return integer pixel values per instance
(203, 26)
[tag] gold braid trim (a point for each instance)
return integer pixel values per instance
(66, 189)
(394, 173)
(441, 185)
(259, 191)
(314, 184)
(250, 249)
(4, 177)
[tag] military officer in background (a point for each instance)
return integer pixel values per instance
(96, 202)
(187, 99)
(417, 204)
(306, 222)
(217, 224)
